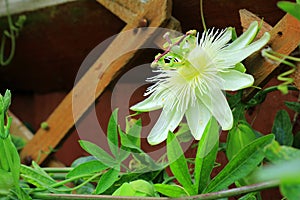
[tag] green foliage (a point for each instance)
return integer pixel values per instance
(244, 162)
(107, 180)
(112, 134)
(174, 191)
(178, 164)
(9, 157)
(88, 167)
(238, 137)
(6, 183)
(206, 155)
(139, 188)
(295, 106)
(290, 7)
(282, 128)
(285, 168)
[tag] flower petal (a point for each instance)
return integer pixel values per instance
(235, 80)
(215, 40)
(197, 117)
(217, 104)
(167, 121)
(245, 38)
(234, 56)
(153, 102)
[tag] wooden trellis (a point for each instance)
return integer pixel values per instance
(285, 37)
(155, 13)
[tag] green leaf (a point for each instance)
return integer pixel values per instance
(249, 196)
(134, 133)
(89, 167)
(240, 165)
(174, 191)
(184, 133)
(178, 164)
(285, 171)
(6, 182)
(6, 100)
(39, 170)
(238, 138)
(112, 133)
(125, 190)
(282, 128)
(277, 154)
(39, 179)
(144, 162)
(143, 186)
(107, 180)
(296, 142)
(18, 142)
(206, 154)
(290, 191)
(13, 155)
(86, 189)
(295, 106)
(81, 160)
(291, 8)
(98, 153)
(127, 143)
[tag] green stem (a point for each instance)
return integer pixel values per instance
(202, 15)
(234, 191)
(58, 169)
(274, 88)
(90, 197)
(213, 195)
(61, 183)
(4, 62)
(8, 149)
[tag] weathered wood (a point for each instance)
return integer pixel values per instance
(95, 80)
(17, 128)
(127, 12)
(296, 76)
(285, 37)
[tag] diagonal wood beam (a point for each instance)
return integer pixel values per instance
(158, 14)
(285, 38)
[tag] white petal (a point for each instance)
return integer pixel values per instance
(197, 117)
(167, 121)
(231, 57)
(246, 38)
(235, 80)
(216, 40)
(217, 104)
(153, 102)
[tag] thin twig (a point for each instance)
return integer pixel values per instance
(234, 191)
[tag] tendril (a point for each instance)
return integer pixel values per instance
(13, 32)
(281, 58)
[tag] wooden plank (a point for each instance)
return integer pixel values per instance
(61, 120)
(296, 76)
(127, 12)
(285, 38)
(17, 128)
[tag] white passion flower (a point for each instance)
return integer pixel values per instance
(193, 73)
